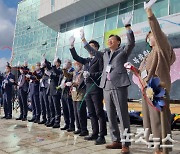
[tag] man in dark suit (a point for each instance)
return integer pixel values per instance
(7, 87)
(67, 103)
(23, 86)
(35, 77)
(43, 96)
(93, 67)
(54, 97)
(115, 82)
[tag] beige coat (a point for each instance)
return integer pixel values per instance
(158, 62)
(78, 89)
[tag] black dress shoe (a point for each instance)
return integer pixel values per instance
(71, 130)
(84, 133)
(20, 118)
(77, 131)
(9, 117)
(3, 117)
(91, 137)
(47, 122)
(56, 126)
(36, 121)
(50, 125)
(100, 140)
(42, 122)
(65, 127)
(24, 119)
(31, 120)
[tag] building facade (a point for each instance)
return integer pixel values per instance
(32, 38)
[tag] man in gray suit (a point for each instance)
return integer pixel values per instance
(115, 82)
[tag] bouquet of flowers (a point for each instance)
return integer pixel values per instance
(156, 93)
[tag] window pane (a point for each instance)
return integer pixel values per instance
(100, 13)
(138, 1)
(68, 35)
(88, 29)
(126, 4)
(112, 9)
(98, 28)
(89, 17)
(66, 55)
(111, 23)
(122, 14)
(100, 41)
(160, 9)
(174, 6)
(139, 14)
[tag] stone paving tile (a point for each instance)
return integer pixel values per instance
(19, 137)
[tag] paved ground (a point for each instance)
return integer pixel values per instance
(24, 138)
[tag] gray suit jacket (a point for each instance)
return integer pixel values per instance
(118, 73)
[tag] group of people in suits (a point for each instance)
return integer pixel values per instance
(82, 89)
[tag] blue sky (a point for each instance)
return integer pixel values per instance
(8, 10)
(11, 3)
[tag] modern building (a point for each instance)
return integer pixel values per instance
(32, 38)
(99, 19)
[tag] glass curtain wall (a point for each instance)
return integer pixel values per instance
(32, 38)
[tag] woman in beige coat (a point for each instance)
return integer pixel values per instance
(156, 64)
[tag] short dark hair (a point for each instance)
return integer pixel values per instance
(59, 61)
(8, 66)
(117, 38)
(96, 44)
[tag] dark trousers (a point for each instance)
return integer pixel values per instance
(94, 104)
(35, 103)
(68, 110)
(45, 109)
(7, 104)
(22, 97)
(80, 114)
(55, 108)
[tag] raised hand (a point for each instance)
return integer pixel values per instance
(127, 19)
(71, 41)
(11, 80)
(82, 34)
(28, 76)
(48, 73)
(149, 4)
(128, 65)
(86, 74)
(55, 60)
(65, 66)
(68, 84)
(43, 61)
(131, 67)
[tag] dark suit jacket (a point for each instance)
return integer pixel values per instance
(24, 85)
(54, 80)
(44, 82)
(8, 86)
(118, 73)
(94, 67)
(34, 84)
